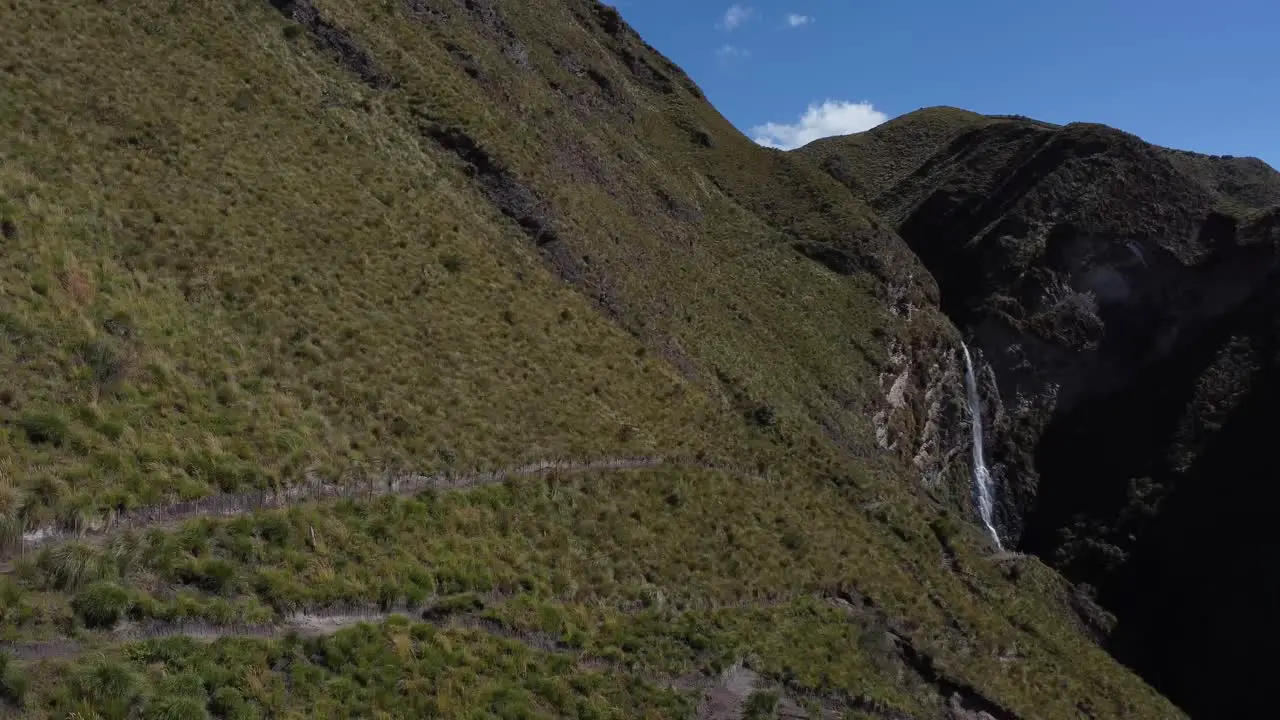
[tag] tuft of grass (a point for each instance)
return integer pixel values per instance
(181, 707)
(13, 501)
(761, 705)
(45, 428)
(104, 687)
(73, 565)
(13, 681)
(101, 604)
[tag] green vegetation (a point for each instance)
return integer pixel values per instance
(396, 669)
(761, 706)
(101, 605)
(663, 572)
(335, 299)
(438, 235)
(13, 681)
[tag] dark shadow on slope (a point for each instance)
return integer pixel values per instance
(963, 697)
(508, 194)
(336, 42)
(1161, 496)
(1202, 589)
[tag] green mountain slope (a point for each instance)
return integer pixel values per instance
(252, 246)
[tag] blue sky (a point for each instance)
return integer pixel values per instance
(1201, 76)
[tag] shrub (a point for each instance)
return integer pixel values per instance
(101, 605)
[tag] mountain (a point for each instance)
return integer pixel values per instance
(1125, 297)
(456, 358)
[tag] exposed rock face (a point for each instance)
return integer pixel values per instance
(1125, 297)
(922, 417)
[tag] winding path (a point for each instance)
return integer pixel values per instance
(315, 489)
(721, 697)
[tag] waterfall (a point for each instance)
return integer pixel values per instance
(982, 490)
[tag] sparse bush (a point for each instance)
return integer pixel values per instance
(101, 605)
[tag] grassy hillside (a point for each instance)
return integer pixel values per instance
(248, 245)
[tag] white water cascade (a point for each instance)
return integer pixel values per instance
(982, 490)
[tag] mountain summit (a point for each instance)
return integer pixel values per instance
(456, 358)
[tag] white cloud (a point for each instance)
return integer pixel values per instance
(728, 52)
(798, 20)
(820, 120)
(736, 15)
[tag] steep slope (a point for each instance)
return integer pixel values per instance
(1124, 297)
(335, 273)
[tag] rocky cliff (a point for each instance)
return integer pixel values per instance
(1124, 296)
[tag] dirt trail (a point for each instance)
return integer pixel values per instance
(326, 621)
(721, 697)
(312, 624)
(726, 699)
(234, 504)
